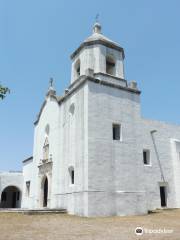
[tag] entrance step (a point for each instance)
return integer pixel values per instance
(33, 211)
(159, 210)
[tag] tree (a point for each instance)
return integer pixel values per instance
(3, 91)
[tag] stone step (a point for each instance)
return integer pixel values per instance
(33, 211)
(159, 210)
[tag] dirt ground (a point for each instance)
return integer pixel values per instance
(17, 226)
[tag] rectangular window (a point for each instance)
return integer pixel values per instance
(116, 130)
(146, 157)
(72, 177)
(28, 183)
(78, 71)
(110, 65)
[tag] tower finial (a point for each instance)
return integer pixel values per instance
(97, 25)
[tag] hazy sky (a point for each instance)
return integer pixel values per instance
(38, 36)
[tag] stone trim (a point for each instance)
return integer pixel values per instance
(76, 81)
(41, 109)
(100, 191)
(84, 79)
(28, 159)
(99, 41)
(111, 76)
(115, 86)
(10, 173)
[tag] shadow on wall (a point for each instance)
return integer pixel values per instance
(10, 197)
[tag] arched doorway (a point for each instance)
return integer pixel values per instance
(10, 197)
(45, 193)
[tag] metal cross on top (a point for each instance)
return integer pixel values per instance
(97, 17)
(51, 82)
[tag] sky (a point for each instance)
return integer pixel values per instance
(38, 37)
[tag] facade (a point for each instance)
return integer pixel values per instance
(94, 154)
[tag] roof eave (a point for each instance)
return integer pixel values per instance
(99, 41)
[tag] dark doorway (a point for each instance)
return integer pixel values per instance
(14, 200)
(163, 196)
(10, 198)
(45, 199)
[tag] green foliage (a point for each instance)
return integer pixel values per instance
(3, 91)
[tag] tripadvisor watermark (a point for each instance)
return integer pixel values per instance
(140, 231)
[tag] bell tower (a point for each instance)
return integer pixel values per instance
(100, 54)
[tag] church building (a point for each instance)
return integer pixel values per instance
(94, 154)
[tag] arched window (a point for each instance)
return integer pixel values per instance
(77, 68)
(72, 108)
(110, 65)
(71, 175)
(46, 150)
(47, 129)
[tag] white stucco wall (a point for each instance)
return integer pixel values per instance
(168, 162)
(114, 167)
(67, 146)
(73, 152)
(49, 115)
(27, 200)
